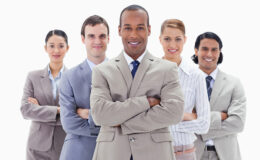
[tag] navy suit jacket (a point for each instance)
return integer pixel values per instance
(75, 87)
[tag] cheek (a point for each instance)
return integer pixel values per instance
(164, 45)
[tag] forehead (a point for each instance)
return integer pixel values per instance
(134, 17)
(56, 39)
(97, 29)
(210, 43)
(169, 31)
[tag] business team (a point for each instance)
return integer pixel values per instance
(139, 107)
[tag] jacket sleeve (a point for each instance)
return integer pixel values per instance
(168, 112)
(236, 116)
(72, 123)
(103, 108)
(40, 113)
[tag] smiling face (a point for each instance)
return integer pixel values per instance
(208, 55)
(56, 47)
(134, 32)
(96, 39)
(172, 41)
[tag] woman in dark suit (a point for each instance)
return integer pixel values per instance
(40, 101)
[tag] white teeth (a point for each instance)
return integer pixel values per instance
(172, 50)
(208, 60)
(134, 43)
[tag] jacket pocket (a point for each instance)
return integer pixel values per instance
(105, 137)
(161, 137)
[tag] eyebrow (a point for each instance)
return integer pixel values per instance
(137, 25)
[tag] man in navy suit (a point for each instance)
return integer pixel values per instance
(75, 90)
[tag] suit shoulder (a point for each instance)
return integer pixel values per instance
(35, 73)
(165, 64)
(71, 70)
(231, 79)
(107, 64)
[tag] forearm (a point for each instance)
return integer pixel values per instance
(159, 116)
(198, 126)
(232, 125)
(39, 113)
(108, 113)
(73, 124)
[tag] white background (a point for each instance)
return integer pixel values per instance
(25, 23)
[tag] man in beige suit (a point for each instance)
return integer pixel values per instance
(135, 97)
(227, 101)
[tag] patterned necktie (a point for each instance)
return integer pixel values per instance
(135, 67)
(209, 89)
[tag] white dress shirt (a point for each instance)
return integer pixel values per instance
(213, 74)
(195, 93)
(129, 59)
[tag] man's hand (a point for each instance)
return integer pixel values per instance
(58, 110)
(189, 116)
(33, 100)
(153, 101)
(224, 116)
(83, 112)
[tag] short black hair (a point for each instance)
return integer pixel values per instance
(58, 33)
(208, 35)
(92, 21)
(134, 7)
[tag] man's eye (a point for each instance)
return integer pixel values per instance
(178, 39)
(127, 28)
(103, 36)
(140, 28)
(91, 36)
(167, 39)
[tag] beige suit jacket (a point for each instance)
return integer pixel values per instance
(227, 96)
(44, 117)
(118, 99)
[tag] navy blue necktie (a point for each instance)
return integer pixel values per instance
(135, 67)
(209, 89)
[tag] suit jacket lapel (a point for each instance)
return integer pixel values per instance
(86, 73)
(57, 95)
(218, 86)
(140, 73)
(124, 69)
(46, 86)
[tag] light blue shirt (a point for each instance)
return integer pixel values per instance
(55, 81)
(91, 64)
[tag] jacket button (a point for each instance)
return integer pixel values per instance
(132, 139)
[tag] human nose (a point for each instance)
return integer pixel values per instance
(97, 40)
(173, 44)
(133, 34)
(56, 49)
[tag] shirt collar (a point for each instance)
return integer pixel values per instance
(184, 67)
(91, 64)
(60, 72)
(212, 74)
(129, 59)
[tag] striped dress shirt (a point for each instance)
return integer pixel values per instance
(195, 93)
